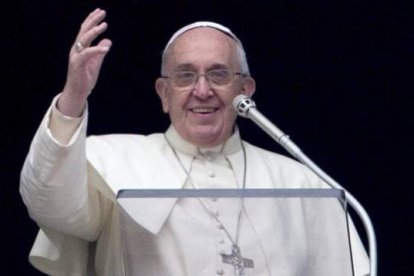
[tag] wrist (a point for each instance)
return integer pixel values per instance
(71, 105)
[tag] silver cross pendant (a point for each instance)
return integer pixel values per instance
(236, 259)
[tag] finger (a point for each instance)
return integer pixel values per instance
(87, 38)
(103, 45)
(102, 48)
(91, 22)
(92, 14)
(93, 19)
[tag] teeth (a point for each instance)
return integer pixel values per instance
(203, 110)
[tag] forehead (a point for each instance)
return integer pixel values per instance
(203, 47)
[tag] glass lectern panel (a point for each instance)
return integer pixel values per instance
(235, 232)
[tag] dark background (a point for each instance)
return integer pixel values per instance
(335, 75)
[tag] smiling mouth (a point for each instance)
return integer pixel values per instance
(204, 110)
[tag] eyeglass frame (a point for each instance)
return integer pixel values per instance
(197, 77)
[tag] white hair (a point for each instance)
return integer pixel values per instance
(239, 46)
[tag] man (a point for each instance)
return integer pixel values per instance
(69, 183)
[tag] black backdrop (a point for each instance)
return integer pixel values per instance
(335, 75)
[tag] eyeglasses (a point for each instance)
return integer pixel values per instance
(216, 77)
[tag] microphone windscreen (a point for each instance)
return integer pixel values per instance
(242, 104)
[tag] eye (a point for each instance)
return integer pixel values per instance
(184, 78)
(218, 76)
(184, 75)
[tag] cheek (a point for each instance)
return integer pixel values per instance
(169, 101)
(230, 116)
(229, 97)
(174, 104)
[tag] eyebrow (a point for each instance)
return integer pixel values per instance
(191, 67)
(185, 67)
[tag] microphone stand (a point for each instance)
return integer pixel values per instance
(246, 107)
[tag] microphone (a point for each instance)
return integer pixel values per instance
(246, 107)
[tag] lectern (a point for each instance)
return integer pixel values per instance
(235, 232)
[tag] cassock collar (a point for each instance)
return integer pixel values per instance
(231, 146)
(154, 218)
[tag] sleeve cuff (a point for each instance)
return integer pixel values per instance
(63, 128)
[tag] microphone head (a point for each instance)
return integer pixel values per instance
(242, 104)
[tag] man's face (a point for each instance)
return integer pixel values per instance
(202, 114)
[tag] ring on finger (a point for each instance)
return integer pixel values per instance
(79, 47)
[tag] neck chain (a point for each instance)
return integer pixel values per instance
(235, 258)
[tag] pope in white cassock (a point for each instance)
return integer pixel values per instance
(69, 182)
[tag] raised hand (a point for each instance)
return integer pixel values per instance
(85, 62)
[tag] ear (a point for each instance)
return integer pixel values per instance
(161, 88)
(249, 86)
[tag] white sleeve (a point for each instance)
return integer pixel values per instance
(54, 183)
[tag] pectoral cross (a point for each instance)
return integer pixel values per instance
(236, 259)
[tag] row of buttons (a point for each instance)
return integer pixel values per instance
(221, 240)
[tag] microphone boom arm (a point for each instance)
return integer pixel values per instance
(246, 107)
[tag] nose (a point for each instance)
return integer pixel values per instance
(202, 88)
